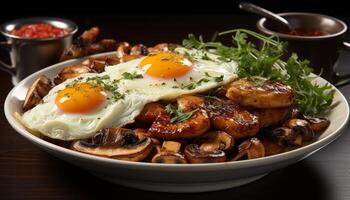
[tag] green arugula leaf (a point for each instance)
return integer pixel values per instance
(267, 62)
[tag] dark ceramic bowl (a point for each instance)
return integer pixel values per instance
(321, 50)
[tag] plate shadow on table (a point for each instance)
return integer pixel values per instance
(302, 180)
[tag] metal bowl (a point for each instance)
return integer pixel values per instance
(68, 25)
(29, 55)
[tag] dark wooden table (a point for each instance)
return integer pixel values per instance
(26, 172)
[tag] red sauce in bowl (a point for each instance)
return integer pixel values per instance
(41, 31)
(307, 33)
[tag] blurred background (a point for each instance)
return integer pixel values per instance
(174, 17)
(151, 22)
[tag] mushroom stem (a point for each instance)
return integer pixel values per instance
(211, 148)
(194, 154)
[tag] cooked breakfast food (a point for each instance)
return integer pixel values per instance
(200, 102)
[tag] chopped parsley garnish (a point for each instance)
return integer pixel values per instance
(177, 114)
(107, 84)
(268, 62)
(193, 85)
(131, 76)
(205, 57)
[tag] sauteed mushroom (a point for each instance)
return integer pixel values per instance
(288, 136)
(36, 92)
(169, 153)
(97, 65)
(78, 47)
(118, 143)
(71, 72)
(302, 127)
(89, 36)
(318, 124)
(211, 150)
(195, 155)
(101, 46)
(251, 148)
(216, 140)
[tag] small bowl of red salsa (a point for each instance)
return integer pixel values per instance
(46, 28)
(35, 43)
(39, 30)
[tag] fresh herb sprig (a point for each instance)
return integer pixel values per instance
(266, 61)
(177, 114)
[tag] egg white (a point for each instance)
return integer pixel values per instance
(50, 121)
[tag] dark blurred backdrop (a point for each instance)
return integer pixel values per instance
(174, 17)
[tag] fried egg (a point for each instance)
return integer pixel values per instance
(79, 107)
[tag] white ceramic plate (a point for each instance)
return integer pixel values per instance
(174, 177)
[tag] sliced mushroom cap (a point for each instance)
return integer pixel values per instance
(216, 140)
(301, 127)
(169, 157)
(194, 154)
(97, 65)
(318, 124)
(118, 143)
(139, 49)
(142, 133)
(251, 148)
(287, 136)
(169, 153)
(36, 92)
(71, 72)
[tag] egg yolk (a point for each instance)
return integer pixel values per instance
(166, 65)
(80, 98)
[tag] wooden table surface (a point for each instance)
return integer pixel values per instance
(26, 172)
